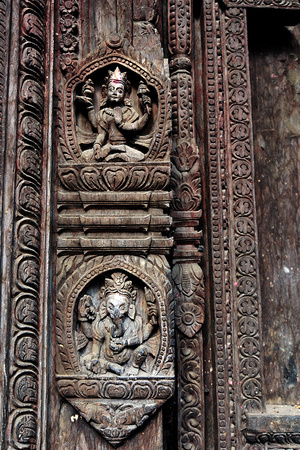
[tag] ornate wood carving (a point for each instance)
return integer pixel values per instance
(284, 4)
(24, 363)
(114, 302)
(186, 213)
(236, 286)
(245, 232)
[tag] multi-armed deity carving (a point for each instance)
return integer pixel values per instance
(114, 302)
(117, 338)
(118, 123)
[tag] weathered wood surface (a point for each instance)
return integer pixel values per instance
(275, 77)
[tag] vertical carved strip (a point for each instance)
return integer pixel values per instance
(69, 40)
(246, 295)
(186, 213)
(2, 59)
(221, 292)
(243, 208)
(24, 372)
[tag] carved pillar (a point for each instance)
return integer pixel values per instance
(186, 213)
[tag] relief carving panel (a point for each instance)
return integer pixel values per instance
(114, 295)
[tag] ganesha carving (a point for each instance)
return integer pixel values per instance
(115, 342)
(121, 339)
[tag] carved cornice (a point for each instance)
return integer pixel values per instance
(26, 277)
(283, 4)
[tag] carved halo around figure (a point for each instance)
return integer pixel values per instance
(114, 108)
(114, 341)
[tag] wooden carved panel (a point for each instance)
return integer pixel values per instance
(114, 295)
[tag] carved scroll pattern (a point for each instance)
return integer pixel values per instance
(26, 276)
(186, 213)
(247, 282)
(69, 40)
(286, 4)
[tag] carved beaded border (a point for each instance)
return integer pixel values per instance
(26, 277)
(68, 314)
(219, 221)
(240, 139)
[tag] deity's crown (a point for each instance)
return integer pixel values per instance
(119, 283)
(117, 76)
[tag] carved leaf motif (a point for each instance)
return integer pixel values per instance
(29, 199)
(27, 349)
(33, 60)
(29, 273)
(115, 177)
(26, 429)
(27, 311)
(29, 236)
(91, 178)
(26, 389)
(30, 164)
(33, 26)
(70, 179)
(185, 157)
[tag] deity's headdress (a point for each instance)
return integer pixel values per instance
(117, 76)
(119, 283)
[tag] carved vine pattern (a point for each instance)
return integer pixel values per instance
(69, 38)
(246, 292)
(26, 276)
(186, 213)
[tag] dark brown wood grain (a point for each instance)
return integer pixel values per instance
(275, 78)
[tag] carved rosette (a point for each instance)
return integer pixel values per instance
(24, 369)
(186, 213)
(115, 404)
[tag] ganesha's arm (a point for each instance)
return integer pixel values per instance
(148, 328)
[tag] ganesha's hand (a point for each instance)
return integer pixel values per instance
(152, 314)
(91, 362)
(117, 344)
(97, 151)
